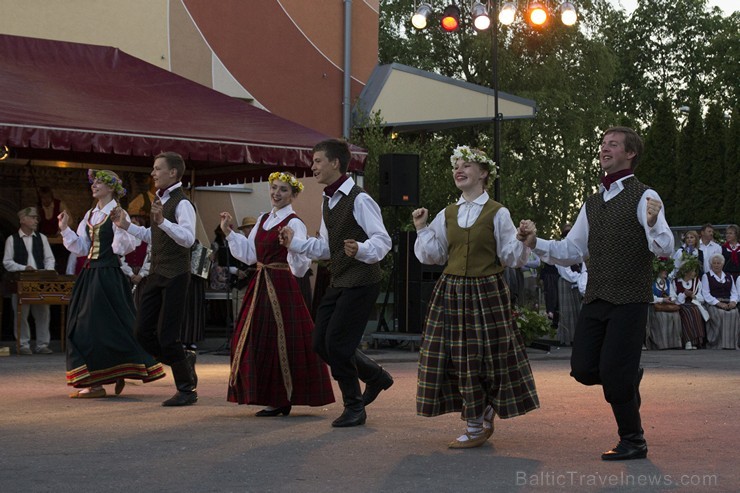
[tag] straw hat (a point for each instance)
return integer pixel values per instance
(248, 222)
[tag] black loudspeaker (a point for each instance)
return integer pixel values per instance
(399, 179)
(414, 286)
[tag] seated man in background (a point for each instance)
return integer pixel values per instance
(28, 250)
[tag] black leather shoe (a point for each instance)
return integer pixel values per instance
(372, 389)
(285, 410)
(350, 417)
(626, 451)
(181, 399)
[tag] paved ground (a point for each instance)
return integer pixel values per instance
(130, 443)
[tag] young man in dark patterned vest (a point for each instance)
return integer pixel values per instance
(160, 314)
(353, 237)
(620, 228)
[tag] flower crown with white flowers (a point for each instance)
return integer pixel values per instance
(112, 181)
(473, 156)
(286, 178)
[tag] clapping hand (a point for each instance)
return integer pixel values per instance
(653, 209)
(63, 219)
(420, 218)
(157, 215)
(225, 223)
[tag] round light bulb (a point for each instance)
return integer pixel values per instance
(419, 21)
(507, 14)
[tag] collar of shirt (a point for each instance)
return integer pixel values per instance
(277, 215)
(165, 194)
(330, 190)
(107, 208)
(24, 235)
(480, 200)
(607, 180)
(720, 278)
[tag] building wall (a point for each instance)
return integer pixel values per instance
(285, 56)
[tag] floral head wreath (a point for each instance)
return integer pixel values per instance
(474, 156)
(690, 263)
(109, 179)
(661, 264)
(289, 179)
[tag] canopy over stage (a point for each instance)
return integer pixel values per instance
(80, 103)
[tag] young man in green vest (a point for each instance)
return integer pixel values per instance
(171, 235)
(353, 237)
(620, 228)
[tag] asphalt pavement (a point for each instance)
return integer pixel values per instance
(130, 443)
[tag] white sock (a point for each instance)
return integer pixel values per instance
(488, 417)
(475, 427)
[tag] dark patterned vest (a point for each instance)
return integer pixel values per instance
(20, 254)
(168, 258)
(620, 267)
(718, 289)
(347, 272)
(472, 251)
(101, 245)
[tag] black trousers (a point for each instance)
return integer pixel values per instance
(340, 322)
(160, 316)
(607, 347)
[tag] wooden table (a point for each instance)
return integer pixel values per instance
(40, 288)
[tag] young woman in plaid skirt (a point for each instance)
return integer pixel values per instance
(472, 358)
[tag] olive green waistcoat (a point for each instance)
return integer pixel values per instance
(472, 251)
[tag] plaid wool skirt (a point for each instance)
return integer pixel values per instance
(472, 354)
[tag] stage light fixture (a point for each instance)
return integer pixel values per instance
(421, 17)
(450, 18)
(537, 14)
(507, 14)
(481, 19)
(568, 14)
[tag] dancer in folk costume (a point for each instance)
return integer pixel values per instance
(101, 348)
(272, 360)
(472, 358)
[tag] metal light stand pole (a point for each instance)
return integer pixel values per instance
(497, 115)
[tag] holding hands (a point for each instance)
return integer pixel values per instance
(286, 236)
(527, 233)
(120, 218)
(420, 218)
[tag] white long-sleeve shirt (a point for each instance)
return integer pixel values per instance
(367, 214)
(431, 241)
(79, 243)
(13, 266)
(182, 231)
(574, 247)
(243, 248)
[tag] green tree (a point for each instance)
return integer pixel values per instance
(658, 165)
(689, 145)
(732, 168)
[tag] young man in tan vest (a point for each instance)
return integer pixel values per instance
(171, 235)
(620, 228)
(353, 237)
